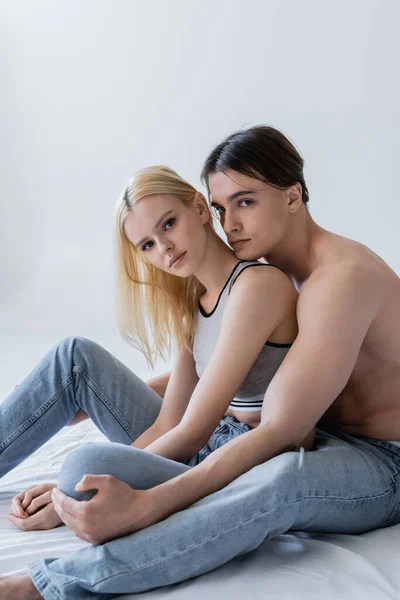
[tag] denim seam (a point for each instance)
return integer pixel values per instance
(104, 399)
(37, 575)
(37, 414)
(237, 525)
(235, 426)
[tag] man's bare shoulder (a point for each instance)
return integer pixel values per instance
(345, 263)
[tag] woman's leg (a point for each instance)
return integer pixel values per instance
(76, 373)
(346, 485)
(158, 384)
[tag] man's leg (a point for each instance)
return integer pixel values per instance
(347, 485)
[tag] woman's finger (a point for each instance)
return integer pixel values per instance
(44, 519)
(32, 492)
(16, 503)
(27, 524)
(38, 502)
(16, 507)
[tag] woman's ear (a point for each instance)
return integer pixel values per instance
(202, 208)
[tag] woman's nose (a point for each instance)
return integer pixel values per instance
(165, 246)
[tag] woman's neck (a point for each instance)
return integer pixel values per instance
(216, 266)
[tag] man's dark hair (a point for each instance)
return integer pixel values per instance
(261, 152)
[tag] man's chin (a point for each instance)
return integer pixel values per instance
(247, 254)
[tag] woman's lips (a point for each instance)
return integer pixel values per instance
(178, 260)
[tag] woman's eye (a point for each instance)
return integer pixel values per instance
(248, 202)
(146, 246)
(171, 222)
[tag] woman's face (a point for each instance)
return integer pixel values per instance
(254, 215)
(168, 234)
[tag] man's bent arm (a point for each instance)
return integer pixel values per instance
(215, 472)
(334, 316)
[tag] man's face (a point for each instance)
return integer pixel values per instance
(253, 214)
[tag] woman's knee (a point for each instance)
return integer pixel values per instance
(71, 343)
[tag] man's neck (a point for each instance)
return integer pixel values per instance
(298, 252)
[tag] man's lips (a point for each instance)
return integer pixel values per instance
(235, 242)
(175, 260)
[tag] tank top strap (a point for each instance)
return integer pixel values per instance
(242, 266)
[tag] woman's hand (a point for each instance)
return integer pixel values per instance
(33, 508)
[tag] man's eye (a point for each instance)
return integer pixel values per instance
(171, 222)
(146, 246)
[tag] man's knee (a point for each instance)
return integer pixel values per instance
(80, 462)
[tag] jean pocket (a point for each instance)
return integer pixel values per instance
(222, 426)
(239, 427)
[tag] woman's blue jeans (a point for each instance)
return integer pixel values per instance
(347, 485)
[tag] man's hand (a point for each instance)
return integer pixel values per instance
(116, 510)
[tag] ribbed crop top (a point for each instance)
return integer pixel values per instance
(208, 325)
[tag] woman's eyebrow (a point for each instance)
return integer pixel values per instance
(160, 220)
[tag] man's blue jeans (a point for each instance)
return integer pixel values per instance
(347, 485)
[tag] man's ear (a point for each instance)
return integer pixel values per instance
(202, 207)
(294, 196)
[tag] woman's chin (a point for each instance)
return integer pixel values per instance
(184, 272)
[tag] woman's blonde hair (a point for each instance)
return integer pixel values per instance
(153, 304)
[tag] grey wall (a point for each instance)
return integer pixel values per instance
(92, 90)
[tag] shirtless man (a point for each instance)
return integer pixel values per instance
(341, 374)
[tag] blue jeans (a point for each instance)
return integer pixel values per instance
(347, 485)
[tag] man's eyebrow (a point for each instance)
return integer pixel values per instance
(238, 195)
(160, 220)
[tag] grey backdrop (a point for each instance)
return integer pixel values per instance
(92, 90)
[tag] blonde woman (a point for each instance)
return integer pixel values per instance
(180, 289)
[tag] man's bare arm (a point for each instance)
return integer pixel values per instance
(334, 311)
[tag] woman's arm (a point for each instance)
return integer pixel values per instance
(260, 303)
(159, 383)
(181, 383)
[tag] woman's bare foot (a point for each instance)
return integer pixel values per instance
(18, 587)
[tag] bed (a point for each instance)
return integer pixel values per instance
(292, 566)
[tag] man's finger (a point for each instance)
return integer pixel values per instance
(92, 482)
(66, 504)
(69, 520)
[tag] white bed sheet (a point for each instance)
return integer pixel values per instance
(290, 567)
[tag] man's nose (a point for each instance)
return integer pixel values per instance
(229, 222)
